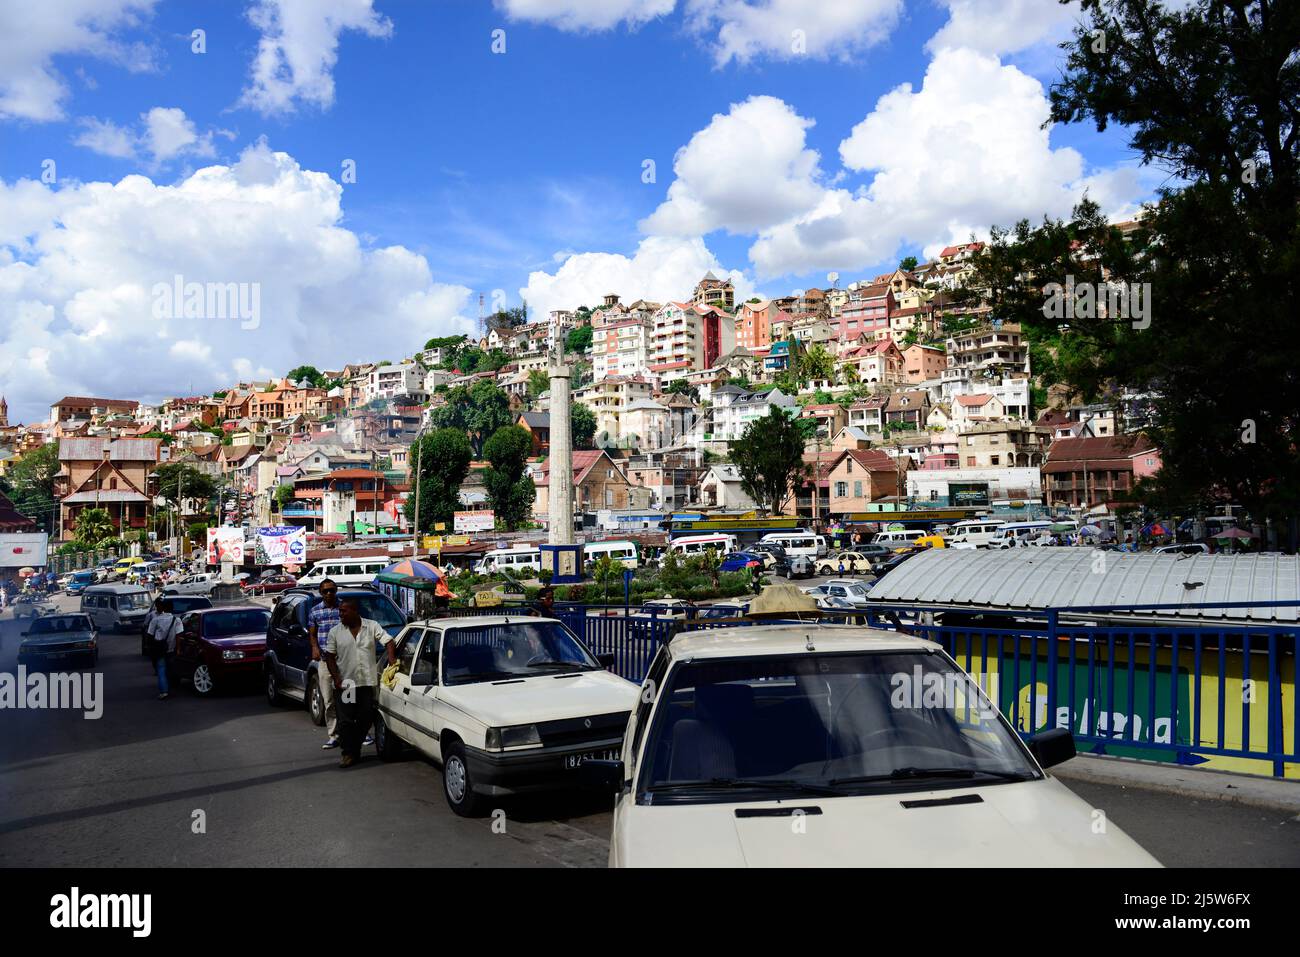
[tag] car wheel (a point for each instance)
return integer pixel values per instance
(387, 746)
(202, 680)
(316, 701)
(273, 696)
(456, 784)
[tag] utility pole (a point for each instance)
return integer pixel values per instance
(415, 532)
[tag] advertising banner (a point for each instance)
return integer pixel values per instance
(23, 549)
(281, 545)
(225, 544)
(475, 521)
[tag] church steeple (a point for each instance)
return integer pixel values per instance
(4, 412)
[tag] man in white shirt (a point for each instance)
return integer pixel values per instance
(349, 653)
(162, 644)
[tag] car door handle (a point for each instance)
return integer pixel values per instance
(406, 691)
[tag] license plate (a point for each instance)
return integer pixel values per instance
(572, 761)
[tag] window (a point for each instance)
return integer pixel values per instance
(842, 489)
(857, 490)
(970, 461)
(993, 460)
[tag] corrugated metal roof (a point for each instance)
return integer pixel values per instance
(120, 450)
(1037, 578)
(104, 496)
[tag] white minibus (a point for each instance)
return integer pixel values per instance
(973, 533)
(621, 551)
(798, 543)
(699, 544)
(517, 558)
(348, 572)
(1013, 534)
(899, 540)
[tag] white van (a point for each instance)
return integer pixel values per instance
(798, 543)
(1014, 534)
(699, 544)
(344, 571)
(975, 533)
(517, 558)
(899, 540)
(620, 551)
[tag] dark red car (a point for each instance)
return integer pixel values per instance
(265, 586)
(218, 646)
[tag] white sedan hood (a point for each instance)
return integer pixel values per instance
(542, 698)
(1026, 824)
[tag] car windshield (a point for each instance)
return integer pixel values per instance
(133, 601)
(53, 624)
(244, 621)
(378, 608)
(512, 650)
(741, 729)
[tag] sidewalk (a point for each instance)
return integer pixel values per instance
(1273, 793)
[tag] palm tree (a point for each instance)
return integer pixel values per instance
(94, 525)
(817, 363)
(849, 374)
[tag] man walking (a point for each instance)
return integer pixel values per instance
(319, 622)
(350, 656)
(163, 630)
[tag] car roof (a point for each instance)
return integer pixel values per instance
(220, 608)
(484, 621)
(116, 588)
(744, 641)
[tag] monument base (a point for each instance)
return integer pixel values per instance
(564, 562)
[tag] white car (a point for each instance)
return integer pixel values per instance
(840, 593)
(193, 584)
(506, 705)
(781, 746)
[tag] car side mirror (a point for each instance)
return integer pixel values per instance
(1052, 747)
(604, 776)
(606, 661)
(411, 617)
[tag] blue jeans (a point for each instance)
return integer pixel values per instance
(161, 665)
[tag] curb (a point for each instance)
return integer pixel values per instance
(1244, 789)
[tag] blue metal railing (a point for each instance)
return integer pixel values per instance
(1220, 693)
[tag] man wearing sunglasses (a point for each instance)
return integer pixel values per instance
(319, 622)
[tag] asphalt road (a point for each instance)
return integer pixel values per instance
(125, 789)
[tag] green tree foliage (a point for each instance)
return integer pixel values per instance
(509, 491)
(310, 373)
(582, 423)
(682, 387)
(908, 263)
(176, 479)
(538, 382)
(1209, 93)
(443, 456)
(478, 411)
(578, 341)
(283, 495)
(31, 485)
(443, 342)
(769, 457)
(816, 363)
(94, 526)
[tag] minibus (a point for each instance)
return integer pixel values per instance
(798, 543)
(344, 571)
(699, 544)
(1018, 533)
(514, 559)
(974, 533)
(621, 551)
(899, 540)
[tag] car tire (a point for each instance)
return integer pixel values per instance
(273, 696)
(315, 701)
(202, 681)
(456, 785)
(387, 745)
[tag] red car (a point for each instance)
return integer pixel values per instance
(217, 646)
(265, 586)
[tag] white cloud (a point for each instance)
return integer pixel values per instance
(32, 34)
(1002, 26)
(578, 15)
(78, 267)
(164, 133)
(790, 29)
(747, 170)
(662, 268)
(966, 150)
(299, 47)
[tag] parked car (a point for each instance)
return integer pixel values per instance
(60, 640)
(33, 606)
(839, 593)
(116, 607)
(218, 646)
(644, 623)
(742, 562)
(104, 568)
(201, 584)
(479, 696)
(768, 551)
(268, 585)
(887, 565)
(288, 671)
(793, 566)
(850, 563)
(181, 605)
(723, 609)
(717, 756)
(80, 581)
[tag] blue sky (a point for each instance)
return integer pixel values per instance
(518, 172)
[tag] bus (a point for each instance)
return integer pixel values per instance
(699, 544)
(801, 542)
(620, 550)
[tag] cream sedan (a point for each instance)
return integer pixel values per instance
(784, 745)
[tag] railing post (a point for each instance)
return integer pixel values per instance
(1052, 640)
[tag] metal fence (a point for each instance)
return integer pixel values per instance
(1217, 695)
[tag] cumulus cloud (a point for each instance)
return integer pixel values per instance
(966, 150)
(33, 34)
(82, 266)
(742, 30)
(163, 134)
(747, 170)
(299, 47)
(1002, 26)
(579, 15)
(662, 268)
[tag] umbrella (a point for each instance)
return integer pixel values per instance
(1234, 533)
(26, 572)
(1090, 530)
(408, 568)
(1155, 528)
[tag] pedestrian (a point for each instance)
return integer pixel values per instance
(162, 645)
(545, 604)
(758, 579)
(350, 656)
(441, 594)
(319, 622)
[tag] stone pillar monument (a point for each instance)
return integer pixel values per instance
(560, 523)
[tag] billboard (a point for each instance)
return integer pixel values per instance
(281, 545)
(475, 521)
(22, 549)
(226, 544)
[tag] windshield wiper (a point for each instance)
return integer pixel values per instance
(766, 784)
(899, 774)
(559, 664)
